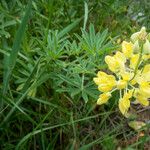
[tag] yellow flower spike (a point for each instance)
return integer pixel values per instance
(127, 49)
(132, 68)
(134, 60)
(105, 82)
(103, 98)
(121, 84)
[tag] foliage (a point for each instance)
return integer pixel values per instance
(49, 53)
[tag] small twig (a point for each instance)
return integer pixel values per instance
(146, 108)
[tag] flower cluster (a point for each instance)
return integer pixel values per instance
(130, 73)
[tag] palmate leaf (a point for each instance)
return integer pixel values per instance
(76, 85)
(95, 43)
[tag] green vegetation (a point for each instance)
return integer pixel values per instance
(50, 50)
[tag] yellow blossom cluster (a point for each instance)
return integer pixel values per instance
(130, 73)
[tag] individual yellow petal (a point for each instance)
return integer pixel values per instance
(144, 89)
(127, 76)
(146, 69)
(129, 94)
(146, 57)
(122, 108)
(124, 103)
(127, 48)
(113, 65)
(103, 98)
(101, 74)
(145, 74)
(120, 57)
(143, 100)
(105, 87)
(141, 97)
(134, 60)
(96, 80)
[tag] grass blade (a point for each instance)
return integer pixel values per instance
(68, 28)
(85, 15)
(11, 60)
(27, 87)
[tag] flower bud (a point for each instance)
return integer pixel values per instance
(136, 47)
(146, 47)
(141, 35)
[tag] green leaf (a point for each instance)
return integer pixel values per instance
(68, 28)
(10, 61)
(136, 125)
(85, 15)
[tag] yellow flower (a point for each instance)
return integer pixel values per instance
(145, 74)
(127, 49)
(146, 69)
(127, 75)
(124, 103)
(121, 84)
(143, 100)
(132, 70)
(103, 98)
(116, 63)
(104, 81)
(146, 57)
(120, 57)
(113, 65)
(134, 60)
(144, 89)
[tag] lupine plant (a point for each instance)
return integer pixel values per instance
(129, 73)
